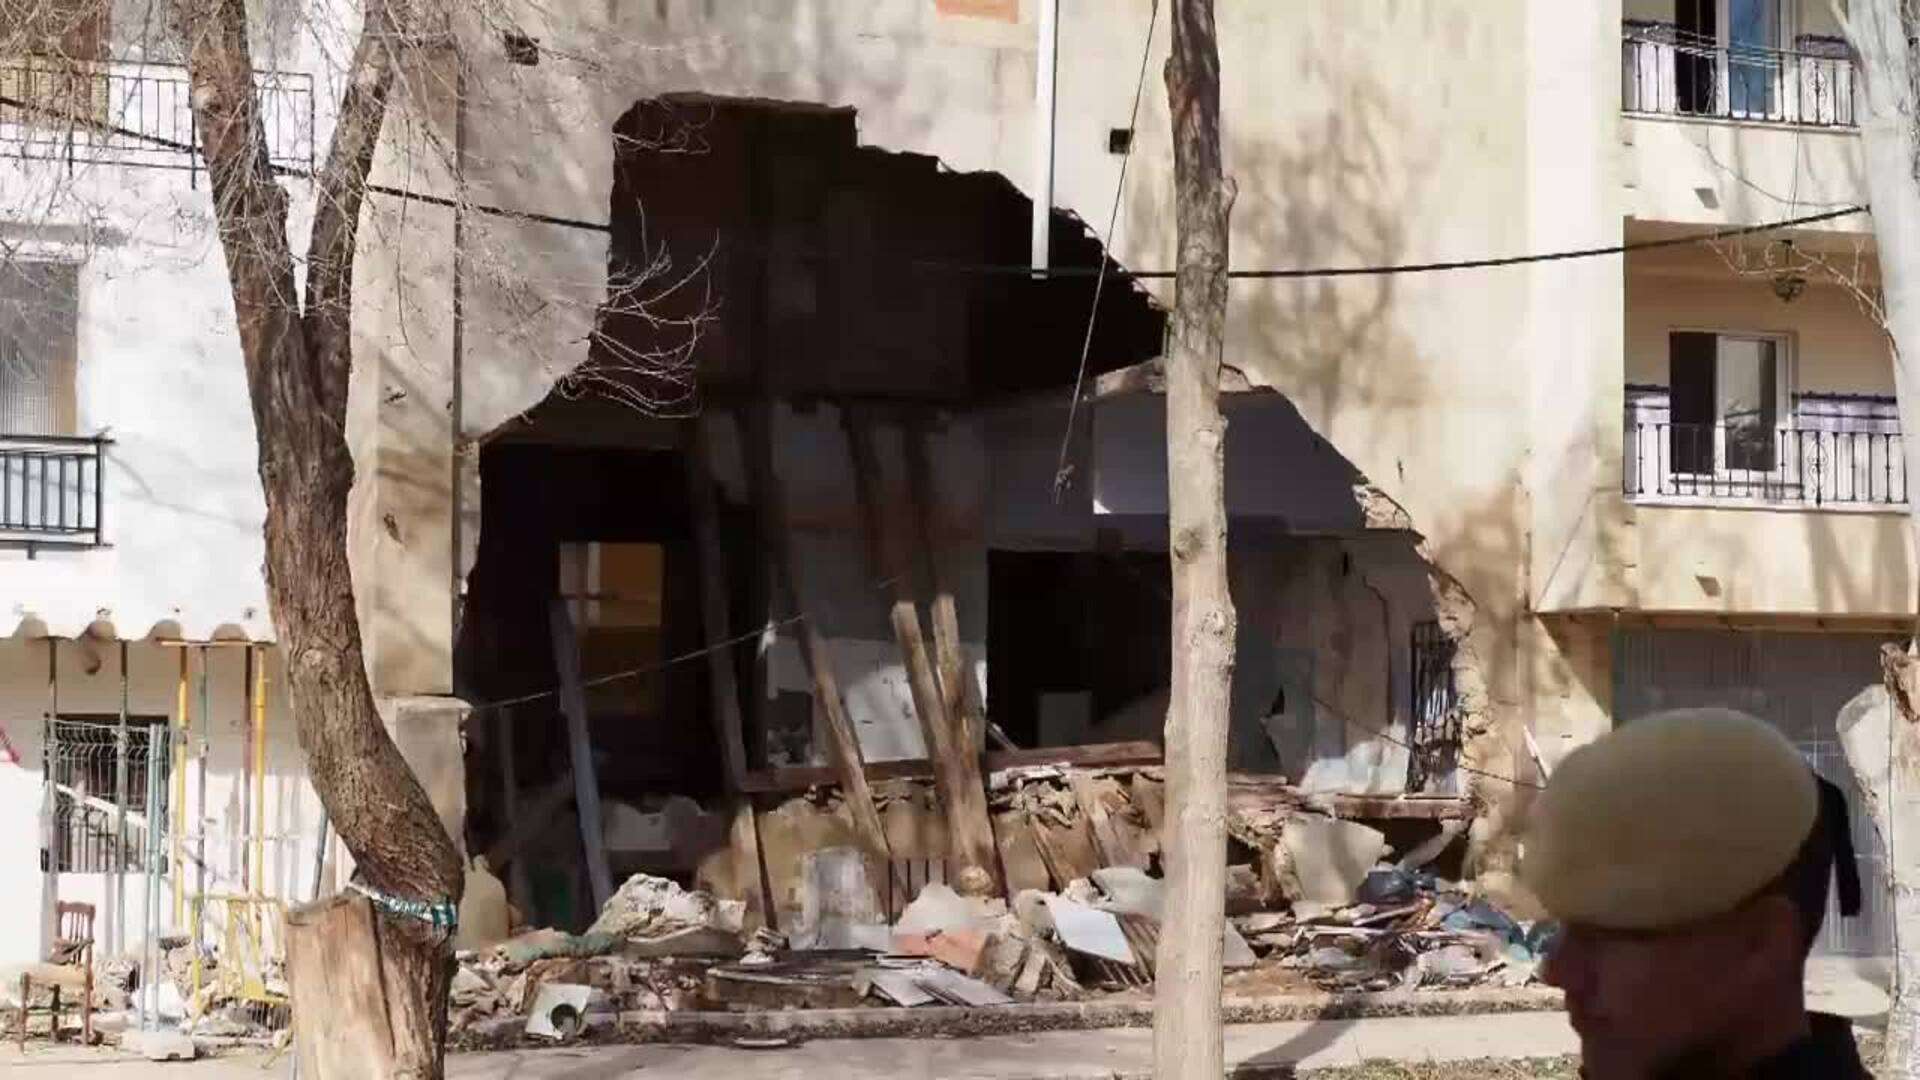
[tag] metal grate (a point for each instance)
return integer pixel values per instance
(1669, 71)
(1795, 681)
(140, 114)
(89, 790)
(1746, 463)
(1435, 712)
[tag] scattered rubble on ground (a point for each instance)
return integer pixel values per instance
(1314, 903)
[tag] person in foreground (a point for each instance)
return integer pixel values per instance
(1688, 858)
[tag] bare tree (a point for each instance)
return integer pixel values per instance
(1881, 34)
(298, 356)
(1187, 1038)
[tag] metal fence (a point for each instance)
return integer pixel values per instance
(1435, 713)
(1796, 681)
(107, 791)
(135, 114)
(1668, 71)
(50, 490)
(1742, 463)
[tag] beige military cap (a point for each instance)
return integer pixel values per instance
(1666, 820)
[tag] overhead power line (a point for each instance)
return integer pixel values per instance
(1093, 271)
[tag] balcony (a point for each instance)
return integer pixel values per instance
(135, 114)
(1739, 464)
(50, 491)
(1666, 71)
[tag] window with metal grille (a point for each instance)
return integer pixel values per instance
(39, 311)
(84, 779)
(1435, 712)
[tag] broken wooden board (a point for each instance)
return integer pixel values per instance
(794, 778)
(956, 761)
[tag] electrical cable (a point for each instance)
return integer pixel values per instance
(1021, 269)
(1060, 470)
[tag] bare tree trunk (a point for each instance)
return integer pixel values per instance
(1880, 33)
(297, 363)
(1187, 1038)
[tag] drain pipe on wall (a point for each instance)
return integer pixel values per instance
(1043, 125)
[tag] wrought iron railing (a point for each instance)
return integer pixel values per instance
(1754, 464)
(135, 114)
(1667, 71)
(50, 490)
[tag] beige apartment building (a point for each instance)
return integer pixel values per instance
(737, 325)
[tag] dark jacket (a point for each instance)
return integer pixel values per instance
(1828, 1051)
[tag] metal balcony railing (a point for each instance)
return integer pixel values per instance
(72, 111)
(50, 490)
(1752, 464)
(1670, 72)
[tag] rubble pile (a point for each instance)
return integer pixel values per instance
(1314, 902)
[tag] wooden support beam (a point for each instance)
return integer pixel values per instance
(843, 747)
(956, 762)
(586, 784)
(723, 681)
(792, 778)
(943, 612)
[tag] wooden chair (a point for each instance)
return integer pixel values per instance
(71, 951)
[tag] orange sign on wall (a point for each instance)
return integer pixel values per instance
(1003, 10)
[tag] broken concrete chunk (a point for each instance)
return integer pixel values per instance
(1235, 953)
(647, 906)
(1129, 891)
(159, 1045)
(1327, 858)
(1089, 931)
(1030, 907)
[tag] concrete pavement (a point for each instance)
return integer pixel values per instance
(1853, 988)
(1067, 1055)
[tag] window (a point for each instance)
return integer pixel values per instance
(39, 313)
(1435, 711)
(83, 768)
(1729, 60)
(1730, 396)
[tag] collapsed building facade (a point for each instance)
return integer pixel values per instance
(658, 425)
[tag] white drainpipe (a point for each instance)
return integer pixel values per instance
(1043, 118)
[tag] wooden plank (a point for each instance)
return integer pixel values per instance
(943, 611)
(340, 1021)
(586, 786)
(789, 778)
(722, 677)
(956, 762)
(1111, 844)
(723, 680)
(843, 748)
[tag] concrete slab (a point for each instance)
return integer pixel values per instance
(159, 1045)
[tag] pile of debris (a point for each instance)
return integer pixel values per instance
(1314, 902)
(648, 950)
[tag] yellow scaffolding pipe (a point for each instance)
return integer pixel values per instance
(256, 886)
(179, 796)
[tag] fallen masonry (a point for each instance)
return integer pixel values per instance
(1324, 914)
